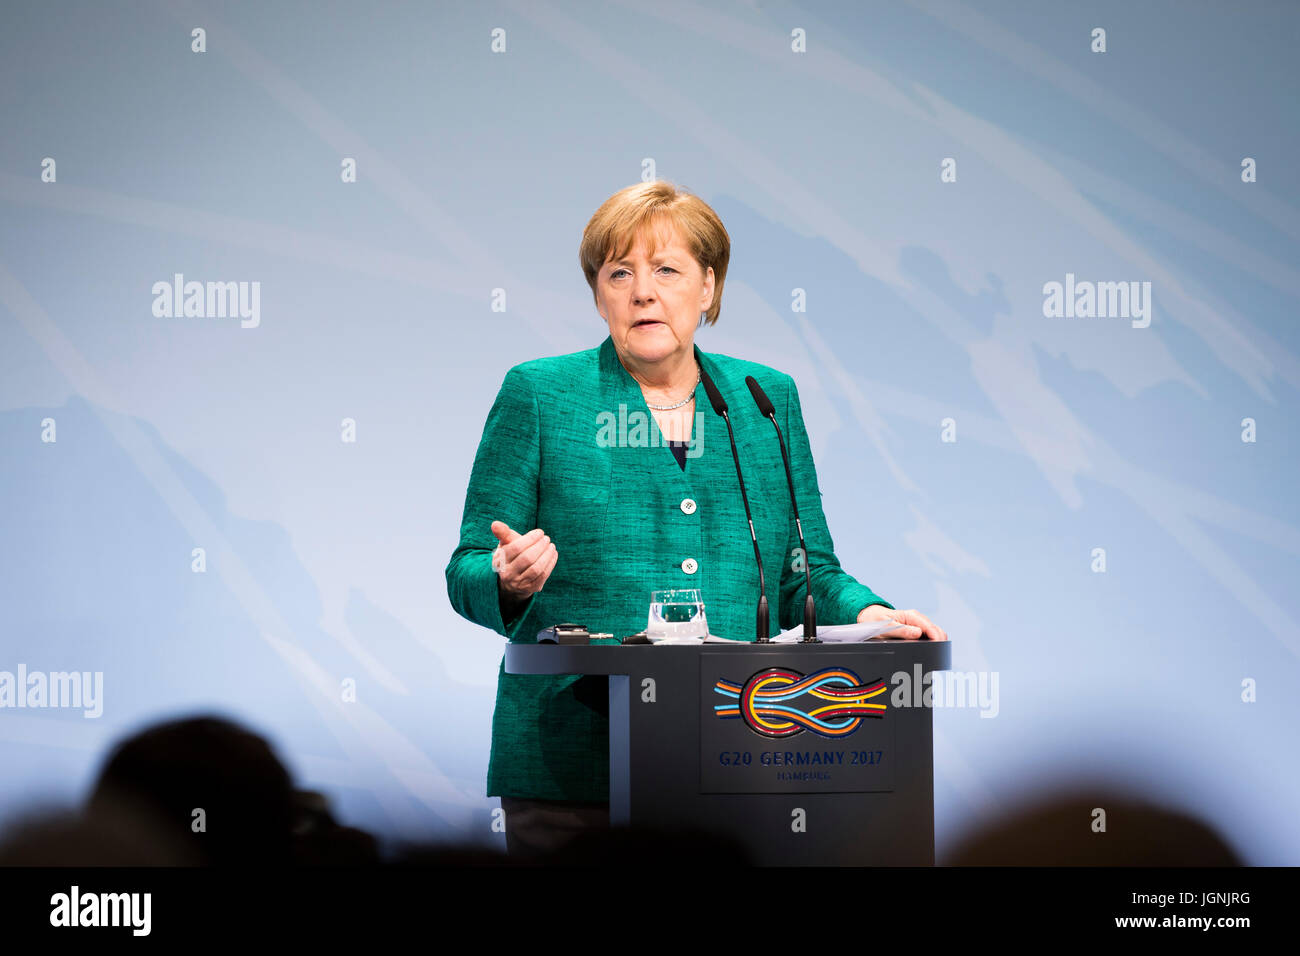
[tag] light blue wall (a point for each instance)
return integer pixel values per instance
(478, 171)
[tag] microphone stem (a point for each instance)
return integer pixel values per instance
(761, 623)
(809, 604)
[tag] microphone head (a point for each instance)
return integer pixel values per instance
(715, 397)
(765, 406)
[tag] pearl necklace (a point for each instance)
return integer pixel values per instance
(688, 398)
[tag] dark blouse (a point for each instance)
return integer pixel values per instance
(679, 451)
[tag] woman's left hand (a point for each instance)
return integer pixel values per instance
(913, 624)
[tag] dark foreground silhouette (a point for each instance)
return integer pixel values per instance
(207, 792)
(1064, 827)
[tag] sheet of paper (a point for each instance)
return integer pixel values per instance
(839, 633)
(828, 633)
(711, 639)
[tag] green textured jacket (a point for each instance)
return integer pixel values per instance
(571, 447)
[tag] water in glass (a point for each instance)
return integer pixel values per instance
(676, 613)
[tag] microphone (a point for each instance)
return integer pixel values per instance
(767, 410)
(720, 406)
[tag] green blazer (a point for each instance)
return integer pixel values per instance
(571, 447)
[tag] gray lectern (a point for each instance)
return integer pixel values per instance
(807, 754)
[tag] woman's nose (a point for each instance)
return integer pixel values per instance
(642, 288)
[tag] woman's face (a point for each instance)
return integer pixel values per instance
(653, 303)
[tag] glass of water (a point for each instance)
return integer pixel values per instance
(676, 613)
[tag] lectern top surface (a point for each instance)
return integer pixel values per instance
(610, 657)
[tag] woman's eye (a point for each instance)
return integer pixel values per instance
(618, 272)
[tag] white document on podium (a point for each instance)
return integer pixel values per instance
(840, 633)
(827, 633)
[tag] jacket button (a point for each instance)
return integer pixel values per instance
(688, 506)
(689, 566)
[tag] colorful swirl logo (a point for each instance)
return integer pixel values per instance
(763, 701)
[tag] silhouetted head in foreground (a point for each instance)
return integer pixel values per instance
(206, 781)
(633, 847)
(69, 838)
(1093, 826)
(684, 849)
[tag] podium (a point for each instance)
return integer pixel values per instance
(805, 754)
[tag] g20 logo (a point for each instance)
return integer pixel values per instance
(768, 703)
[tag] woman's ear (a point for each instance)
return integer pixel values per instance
(707, 291)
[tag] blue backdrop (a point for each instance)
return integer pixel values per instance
(1099, 509)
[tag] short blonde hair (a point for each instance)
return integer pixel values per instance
(641, 208)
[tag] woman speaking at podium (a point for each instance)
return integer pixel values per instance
(605, 474)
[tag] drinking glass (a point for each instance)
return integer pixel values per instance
(676, 613)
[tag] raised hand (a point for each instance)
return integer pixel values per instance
(523, 562)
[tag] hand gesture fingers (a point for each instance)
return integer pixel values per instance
(511, 541)
(535, 577)
(511, 544)
(522, 561)
(503, 532)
